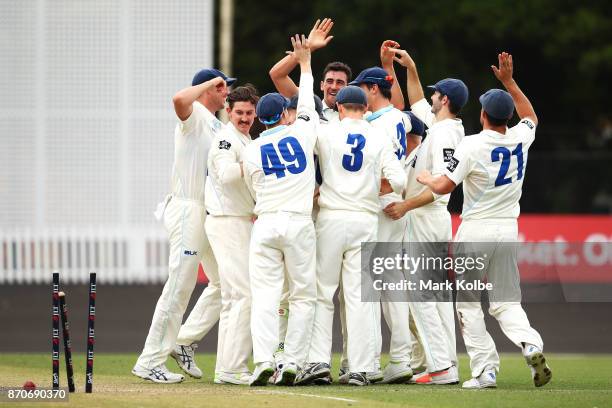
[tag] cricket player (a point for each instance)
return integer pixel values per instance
(184, 215)
(280, 174)
(376, 83)
(354, 156)
(491, 166)
(283, 309)
(228, 227)
(428, 220)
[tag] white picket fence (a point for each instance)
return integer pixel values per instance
(119, 255)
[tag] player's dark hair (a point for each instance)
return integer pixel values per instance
(244, 93)
(338, 66)
(452, 108)
(496, 122)
(386, 92)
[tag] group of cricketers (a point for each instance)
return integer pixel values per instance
(278, 222)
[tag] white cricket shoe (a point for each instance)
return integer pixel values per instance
(159, 374)
(540, 372)
(185, 358)
(442, 377)
(232, 378)
(488, 379)
(397, 373)
(263, 371)
(286, 374)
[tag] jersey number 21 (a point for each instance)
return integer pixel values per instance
(505, 155)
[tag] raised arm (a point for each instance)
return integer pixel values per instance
(386, 60)
(504, 73)
(318, 38)
(183, 100)
(414, 88)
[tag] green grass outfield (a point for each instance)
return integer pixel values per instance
(578, 381)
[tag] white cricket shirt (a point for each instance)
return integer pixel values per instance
(492, 168)
(434, 153)
(226, 193)
(353, 156)
(192, 141)
(279, 165)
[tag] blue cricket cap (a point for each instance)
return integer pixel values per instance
(497, 103)
(454, 89)
(418, 127)
(374, 75)
(293, 103)
(209, 73)
(270, 108)
(352, 94)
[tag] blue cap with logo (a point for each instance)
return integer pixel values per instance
(374, 75)
(418, 127)
(497, 103)
(209, 73)
(454, 89)
(352, 94)
(270, 108)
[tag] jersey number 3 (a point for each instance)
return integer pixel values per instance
(292, 153)
(505, 156)
(354, 161)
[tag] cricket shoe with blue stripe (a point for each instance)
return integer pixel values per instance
(159, 374)
(185, 358)
(488, 379)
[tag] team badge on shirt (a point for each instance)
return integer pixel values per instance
(447, 154)
(224, 144)
(528, 123)
(452, 164)
(304, 117)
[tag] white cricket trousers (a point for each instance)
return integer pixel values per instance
(184, 221)
(282, 240)
(339, 238)
(230, 237)
(502, 266)
(434, 321)
(396, 313)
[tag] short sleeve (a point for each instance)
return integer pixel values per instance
(422, 110)
(525, 131)
(197, 115)
(442, 149)
(459, 165)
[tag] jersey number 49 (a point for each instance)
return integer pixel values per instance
(291, 152)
